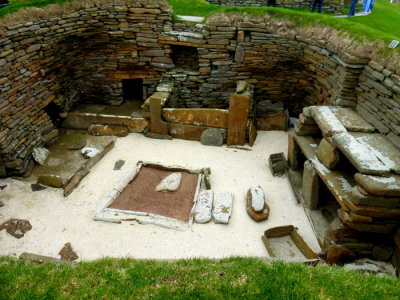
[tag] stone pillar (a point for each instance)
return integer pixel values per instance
(310, 186)
(293, 153)
(156, 124)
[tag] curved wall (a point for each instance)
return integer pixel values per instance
(85, 55)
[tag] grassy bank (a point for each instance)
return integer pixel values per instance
(202, 279)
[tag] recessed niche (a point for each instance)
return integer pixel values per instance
(185, 57)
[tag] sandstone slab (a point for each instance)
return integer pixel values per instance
(378, 185)
(222, 210)
(52, 180)
(327, 121)
(370, 200)
(239, 106)
(108, 130)
(67, 253)
(156, 124)
(277, 121)
(203, 208)
(197, 116)
(16, 227)
(170, 183)
(188, 132)
(351, 120)
(212, 137)
(359, 155)
(310, 186)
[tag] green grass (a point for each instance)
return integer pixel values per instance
(19, 4)
(231, 278)
(382, 24)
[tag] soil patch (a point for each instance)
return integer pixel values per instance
(141, 195)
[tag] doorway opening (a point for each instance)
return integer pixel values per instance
(132, 89)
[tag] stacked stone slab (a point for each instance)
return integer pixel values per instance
(369, 202)
(331, 6)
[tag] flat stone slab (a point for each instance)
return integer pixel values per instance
(307, 144)
(112, 130)
(197, 116)
(359, 198)
(191, 18)
(256, 196)
(380, 186)
(223, 207)
(327, 121)
(351, 120)
(204, 204)
(360, 155)
(382, 148)
(170, 183)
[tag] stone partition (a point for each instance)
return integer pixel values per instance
(47, 66)
(335, 6)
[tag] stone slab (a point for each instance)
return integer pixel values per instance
(252, 133)
(256, 196)
(351, 120)
(170, 183)
(188, 132)
(41, 259)
(111, 130)
(197, 116)
(203, 208)
(157, 125)
(308, 145)
(359, 155)
(237, 119)
(223, 205)
(378, 185)
(310, 186)
(162, 98)
(278, 121)
(382, 148)
(369, 211)
(327, 121)
(212, 137)
(376, 201)
(328, 153)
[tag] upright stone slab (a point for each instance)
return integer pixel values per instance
(327, 121)
(328, 153)
(360, 155)
(212, 137)
(156, 124)
(310, 185)
(204, 204)
(237, 119)
(3, 172)
(293, 153)
(223, 207)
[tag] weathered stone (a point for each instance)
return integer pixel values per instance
(380, 186)
(257, 216)
(76, 179)
(212, 137)
(203, 208)
(239, 54)
(188, 132)
(67, 253)
(256, 196)
(222, 207)
(16, 227)
(277, 164)
(51, 180)
(73, 141)
(359, 155)
(237, 119)
(327, 121)
(304, 130)
(241, 86)
(337, 253)
(3, 171)
(197, 116)
(293, 153)
(328, 153)
(113, 130)
(37, 187)
(156, 124)
(277, 121)
(252, 133)
(371, 119)
(310, 186)
(170, 183)
(351, 120)
(40, 155)
(370, 200)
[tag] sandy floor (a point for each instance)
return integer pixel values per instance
(57, 220)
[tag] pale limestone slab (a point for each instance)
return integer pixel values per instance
(223, 207)
(204, 204)
(170, 183)
(327, 121)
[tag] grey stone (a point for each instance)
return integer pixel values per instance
(37, 187)
(89, 152)
(358, 198)
(239, 54)
(328, 153)
(3, 172)
(327, 121)
(310, 186)
(256, 195)
(212, 137)
(40, 155)
(371, 119)
(351, 120)
(222, 210)
(118, 164)
(51, 180)
(170, 183)
(379, 185)
(203, 208)
(359, 155)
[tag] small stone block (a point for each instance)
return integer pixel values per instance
(328, 154)
(204, 204)
(278, 164)
(212, 137)
(310, 186)
(222, 207)
(170, 183)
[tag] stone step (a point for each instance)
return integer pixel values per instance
(379, 186)
(308, 145)
(359, 155)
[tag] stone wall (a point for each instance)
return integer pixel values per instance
(378, 102)
(85, 55)
(335, 6)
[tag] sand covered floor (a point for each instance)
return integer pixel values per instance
(57, 220)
